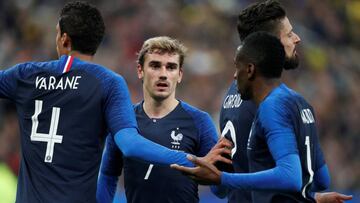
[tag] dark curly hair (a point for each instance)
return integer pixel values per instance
(260, 16)
(265, 51)
(84, 24)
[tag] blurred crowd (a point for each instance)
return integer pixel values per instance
(328, 75)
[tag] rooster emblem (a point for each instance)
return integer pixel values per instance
(177, 138)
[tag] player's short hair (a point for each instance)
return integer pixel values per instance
(162, 45)
(265, 51)
(84, 24)
(260, 16)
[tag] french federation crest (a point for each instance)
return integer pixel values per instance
(177, 137)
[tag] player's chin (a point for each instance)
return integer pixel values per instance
(161, 95)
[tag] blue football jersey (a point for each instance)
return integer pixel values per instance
(185, 128)
(65, 107)
(285, 113)
(236, 117)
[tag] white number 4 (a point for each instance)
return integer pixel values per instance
(50, 138)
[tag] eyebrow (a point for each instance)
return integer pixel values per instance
(154, 62)
(159, 62)
(172, 64)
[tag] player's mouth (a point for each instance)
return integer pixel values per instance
(162, 85)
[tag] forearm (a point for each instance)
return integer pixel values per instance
(133, 145)
(285, 176)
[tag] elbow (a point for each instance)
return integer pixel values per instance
(128, 152)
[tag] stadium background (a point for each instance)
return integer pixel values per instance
(328, 77)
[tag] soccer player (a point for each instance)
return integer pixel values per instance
(65, 107)
(163, 119)
(236, 115)
(285, 159)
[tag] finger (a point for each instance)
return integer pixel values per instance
(221, 151)
(226, 151)
(183, 169)
(223, 142)
(344, 197)
(197, 161)
(223, 159)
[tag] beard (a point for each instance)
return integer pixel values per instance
(291, 63)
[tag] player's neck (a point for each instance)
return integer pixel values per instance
(159, 108)
(83, 57)
(263, 88)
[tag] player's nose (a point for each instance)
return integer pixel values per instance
(297, 39)
(163, 73)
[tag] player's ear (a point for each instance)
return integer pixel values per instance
(66, 41)
(180, 74)
(140, 71)
(250, 70)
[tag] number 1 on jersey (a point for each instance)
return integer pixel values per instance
(50, 138)
(309, 167)
(148, 171)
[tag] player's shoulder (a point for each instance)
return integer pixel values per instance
(292, 98)
(106, 76)
(281, 95)
(98, 70)
(32, 67)
(201, 120)
(194, 112)
(191, 109)
(283, 100)
(277, 101)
